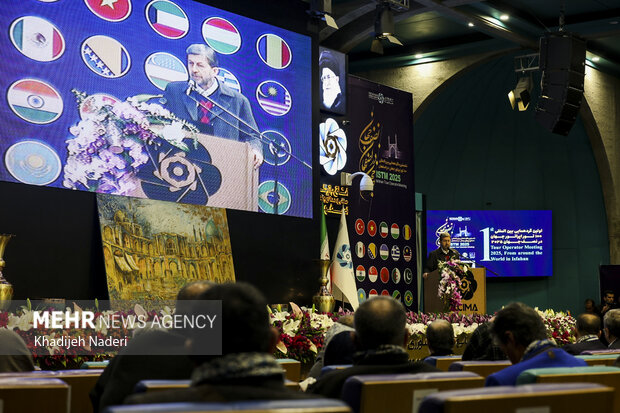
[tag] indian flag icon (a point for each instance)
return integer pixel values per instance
(35, 101)
(221, 35)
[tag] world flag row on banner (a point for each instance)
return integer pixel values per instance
(383, 229)
(375, 251)
(404, 296)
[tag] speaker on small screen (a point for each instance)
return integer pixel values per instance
(562, 62)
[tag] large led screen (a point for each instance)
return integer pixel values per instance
(124, 97)
(507, 243)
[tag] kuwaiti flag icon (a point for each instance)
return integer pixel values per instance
(274, 98)
(35, 101)
(37, 38)
(167, 19)
(162, 68)
(221, 35)
(105, 56)
(274, 51)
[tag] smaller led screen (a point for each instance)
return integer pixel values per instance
(506, 243)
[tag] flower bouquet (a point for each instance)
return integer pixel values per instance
(449, 285)
(109, 143)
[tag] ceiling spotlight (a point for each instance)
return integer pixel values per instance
(521, 95)
(596, 59)
(418, 55)
(321, 9)
(384, 28)
(504, 17)
(470, 24)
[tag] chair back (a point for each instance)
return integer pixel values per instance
(599, 359)
(257, 406)
(95, 364)
(333, 367)
(34, 394)
(442, 362)
(401, 392)
(292, 369)
(605, 375)
(482, 368)
(568, 397)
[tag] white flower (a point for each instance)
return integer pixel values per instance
(416, 328)
(290, 327)
(173, 133)
(279, 316)
(22, 322)
(320, 321)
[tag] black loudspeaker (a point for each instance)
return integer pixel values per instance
(562, 63)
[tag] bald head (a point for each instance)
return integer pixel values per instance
(588, 324)
(189, 292)
(440, 336)
(378, 321)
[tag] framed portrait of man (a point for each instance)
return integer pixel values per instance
(333, 81)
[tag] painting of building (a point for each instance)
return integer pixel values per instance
(152, 248)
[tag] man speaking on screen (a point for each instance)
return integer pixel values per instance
(213, 107)
(443, 253)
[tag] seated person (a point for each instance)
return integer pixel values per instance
(481, 345)
(588, 333)
(611, 322)
(344, 324)
(440, 338)
(246, 370)
(590, 307)
(521, 334)
(380, 337)
(14, 354)
(125, 370)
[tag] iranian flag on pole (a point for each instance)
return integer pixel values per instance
(324, 255)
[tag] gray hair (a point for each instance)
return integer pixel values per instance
(203, 50)
(440, 335)
(611, 321)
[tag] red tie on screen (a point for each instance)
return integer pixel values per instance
(205, 107)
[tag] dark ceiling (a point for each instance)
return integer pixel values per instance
(433, 30)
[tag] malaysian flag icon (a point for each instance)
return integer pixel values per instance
(274, 98)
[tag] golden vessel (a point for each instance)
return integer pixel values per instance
(6, 289)
(323, 300)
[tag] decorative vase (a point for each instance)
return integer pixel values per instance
(6, 289)
(323, 300)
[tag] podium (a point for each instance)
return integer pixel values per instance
(477, 304)
(239, 179)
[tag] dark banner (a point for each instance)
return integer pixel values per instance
(377, 140)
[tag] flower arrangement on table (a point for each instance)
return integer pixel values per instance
(560, 326)
(449, 290)
(109, 143)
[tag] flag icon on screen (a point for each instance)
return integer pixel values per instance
(32, 162)
(221, 35)
(361, 295)
(167, 19)
(407, 232)
(407, 253)
(395, 252)
(270, 201)
(37, 39)
(274, 51)
(408, 298)
(360, 273)
(395, 275)
(395, 231)
(105, 56)
(372, 228)
(396, 295)
(273, 98)
(110, 10)
(372, 251)
(35, 101)
(372, 293)
(359, 249)
(162, 68)
(384, 252)
(383, 229)
(373, 274)
(227, 78)
(408, 275)
(385, 275)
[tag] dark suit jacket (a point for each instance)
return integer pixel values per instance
(438, 255)
(226, 391)
(577, 348)
(124, 371)
(224, 125)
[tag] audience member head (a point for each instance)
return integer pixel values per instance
(346, 320)
(588, 324)
(611, 321)
(590, 306)
(191, 292)
(378, 321)
(440, 337)
(245, 321)
(340, 349)
(14, 354)
(515, 327)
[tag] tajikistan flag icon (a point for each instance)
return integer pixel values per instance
(37, 38)
(35, 101)
(221, 35)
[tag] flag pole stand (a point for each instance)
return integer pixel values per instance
(324, 300)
